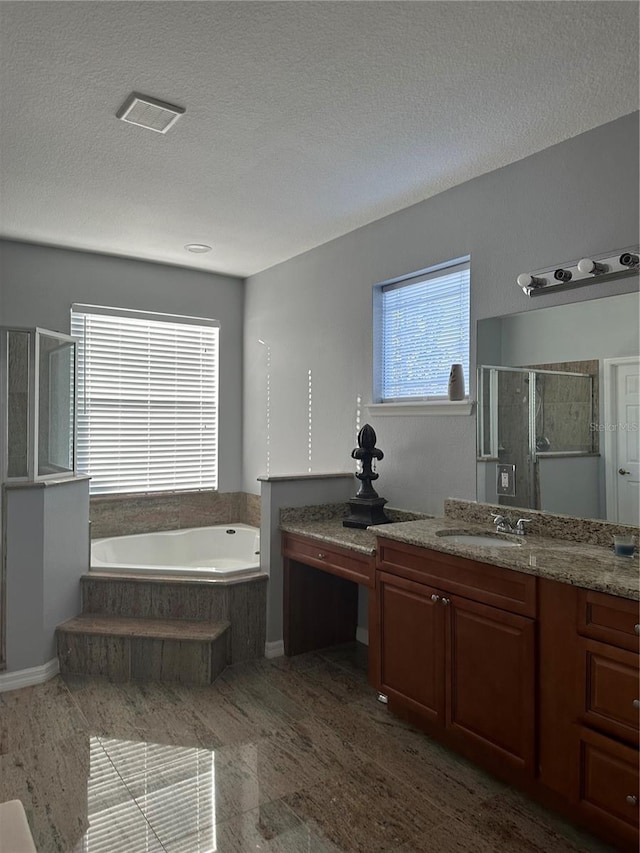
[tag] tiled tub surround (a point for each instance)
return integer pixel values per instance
(153, 628)
(120, 515)
(305, 759)
(156, 627)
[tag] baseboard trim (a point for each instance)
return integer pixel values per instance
(362, 635)
(30, 676)
(274, 650)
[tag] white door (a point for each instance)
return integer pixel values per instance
(622, 449)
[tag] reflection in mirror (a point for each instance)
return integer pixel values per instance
(558, 398)
(528, 418)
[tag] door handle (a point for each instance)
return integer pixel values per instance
(622, 471)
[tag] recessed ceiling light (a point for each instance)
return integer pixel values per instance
(197, 248)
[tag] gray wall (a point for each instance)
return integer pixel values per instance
(574, 199)
(47, 545)
(286, 493)
(40, 284)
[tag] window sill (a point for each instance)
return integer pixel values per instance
(423, 407)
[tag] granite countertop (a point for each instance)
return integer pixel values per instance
(324, 523)
(588, 566)
(331, 532)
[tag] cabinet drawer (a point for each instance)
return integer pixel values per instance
(609, 618)
(611, 689)
(338, 561)
(609, 779)
(482, 582)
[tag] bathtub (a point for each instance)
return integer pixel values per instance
(223, 551)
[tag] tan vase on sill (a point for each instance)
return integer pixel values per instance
(456, 382)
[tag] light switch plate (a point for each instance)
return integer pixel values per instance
(506, 480)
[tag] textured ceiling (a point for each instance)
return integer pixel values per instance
(304, 120)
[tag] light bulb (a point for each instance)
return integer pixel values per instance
(629, 260)
(562, 275)
(586, 266)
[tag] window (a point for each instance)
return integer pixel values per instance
(147, 400)
(421, 329)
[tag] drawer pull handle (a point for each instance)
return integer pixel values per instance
(446, 601)
(633, 801)
(321, 556)
(636, 704)
(636, 628)
(435, 598)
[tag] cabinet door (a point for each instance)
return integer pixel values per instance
(609, 784)
(610, 689)
(411, 645)
(490, 681)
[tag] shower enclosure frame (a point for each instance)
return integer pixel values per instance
(533, 454)
(33, 395)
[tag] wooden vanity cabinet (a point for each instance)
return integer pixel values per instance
(320, 601)
(589, 697)
(457, 651)
(534, 679)
(609, 701)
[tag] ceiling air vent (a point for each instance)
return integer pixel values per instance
(148, 112)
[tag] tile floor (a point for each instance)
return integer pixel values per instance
(282, 756)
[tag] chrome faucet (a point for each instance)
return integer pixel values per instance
(505, 526)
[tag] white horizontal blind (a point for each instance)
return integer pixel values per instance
(147, 400)
(425, 329)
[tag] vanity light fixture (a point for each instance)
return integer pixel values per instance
(599, 268)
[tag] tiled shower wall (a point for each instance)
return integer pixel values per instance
(119, 515)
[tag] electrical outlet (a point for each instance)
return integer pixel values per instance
(506, 480)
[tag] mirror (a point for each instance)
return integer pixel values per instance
(568, 435)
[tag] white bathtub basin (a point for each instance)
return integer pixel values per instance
(220, 550)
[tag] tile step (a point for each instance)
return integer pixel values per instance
(164, 629)
(134, 649)
(243, 604)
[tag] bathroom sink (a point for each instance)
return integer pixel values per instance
(484, 540)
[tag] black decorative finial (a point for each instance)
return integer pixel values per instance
(366, 507)
(366, 452)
